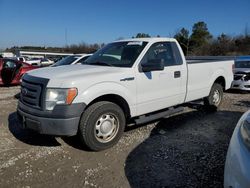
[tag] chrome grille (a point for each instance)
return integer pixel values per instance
(31, 93)
(237, 77)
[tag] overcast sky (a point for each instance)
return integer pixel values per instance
(57, 22)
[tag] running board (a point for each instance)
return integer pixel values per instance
(152, 117)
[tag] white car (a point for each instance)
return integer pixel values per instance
(22, 59)
(46, 62)
(242, 74)
(34, 61)
(133, 80)
(237, 167)
(72, 59)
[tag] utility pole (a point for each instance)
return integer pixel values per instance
(66, 37)
(247, 33)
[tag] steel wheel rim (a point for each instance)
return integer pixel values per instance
(106, 128)
(216, 97)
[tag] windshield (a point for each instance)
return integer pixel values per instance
(242, 64)
(66, 61)
(117, 54)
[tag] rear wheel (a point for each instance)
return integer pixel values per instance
(102, 125)
(213, 101)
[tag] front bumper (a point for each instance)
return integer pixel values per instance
(236, 174)
(241, 85)
(63, 120)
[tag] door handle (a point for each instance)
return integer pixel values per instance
(127, 79)
(177, 74)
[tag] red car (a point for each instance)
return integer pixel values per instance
(11, 71)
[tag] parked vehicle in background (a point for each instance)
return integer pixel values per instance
(34, 61)
(72, 59)
(46, 62)
(134, 80)
(7, 55)
(11, 71)
(22, 59)
(56, 58)
(242, 74)
(237, 165)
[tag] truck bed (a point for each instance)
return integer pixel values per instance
(202, 74)
(208, 59)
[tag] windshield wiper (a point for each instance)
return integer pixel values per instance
(99, 63)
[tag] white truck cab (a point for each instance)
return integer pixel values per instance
(133, 80)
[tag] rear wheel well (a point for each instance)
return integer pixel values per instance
(221, 80)
(120, 101)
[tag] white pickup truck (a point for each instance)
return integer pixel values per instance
(134, 80)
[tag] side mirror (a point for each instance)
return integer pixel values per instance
(152, 65)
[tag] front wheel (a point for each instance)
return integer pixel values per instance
(101, 125)
(214, 100)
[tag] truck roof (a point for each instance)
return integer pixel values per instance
(153, 39)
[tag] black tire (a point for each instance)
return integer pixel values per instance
(214, 100)
(98, 118)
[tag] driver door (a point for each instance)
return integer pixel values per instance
(160, 89)
(9, 71)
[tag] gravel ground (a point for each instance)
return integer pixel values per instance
(185, 150)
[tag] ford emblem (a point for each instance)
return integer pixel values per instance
(24, 91)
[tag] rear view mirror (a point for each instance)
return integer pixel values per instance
(152, 65)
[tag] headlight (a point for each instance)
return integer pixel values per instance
(245, 131)
(59, 96)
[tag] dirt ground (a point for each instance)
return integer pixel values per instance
(185, 150)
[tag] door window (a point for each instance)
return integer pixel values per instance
(161, 51)
(9, 64)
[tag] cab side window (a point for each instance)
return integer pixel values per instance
(163, 52)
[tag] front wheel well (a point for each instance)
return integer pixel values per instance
(120, 101)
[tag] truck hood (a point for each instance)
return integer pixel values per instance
(75, 75)
(242, 70)
(72, 71)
